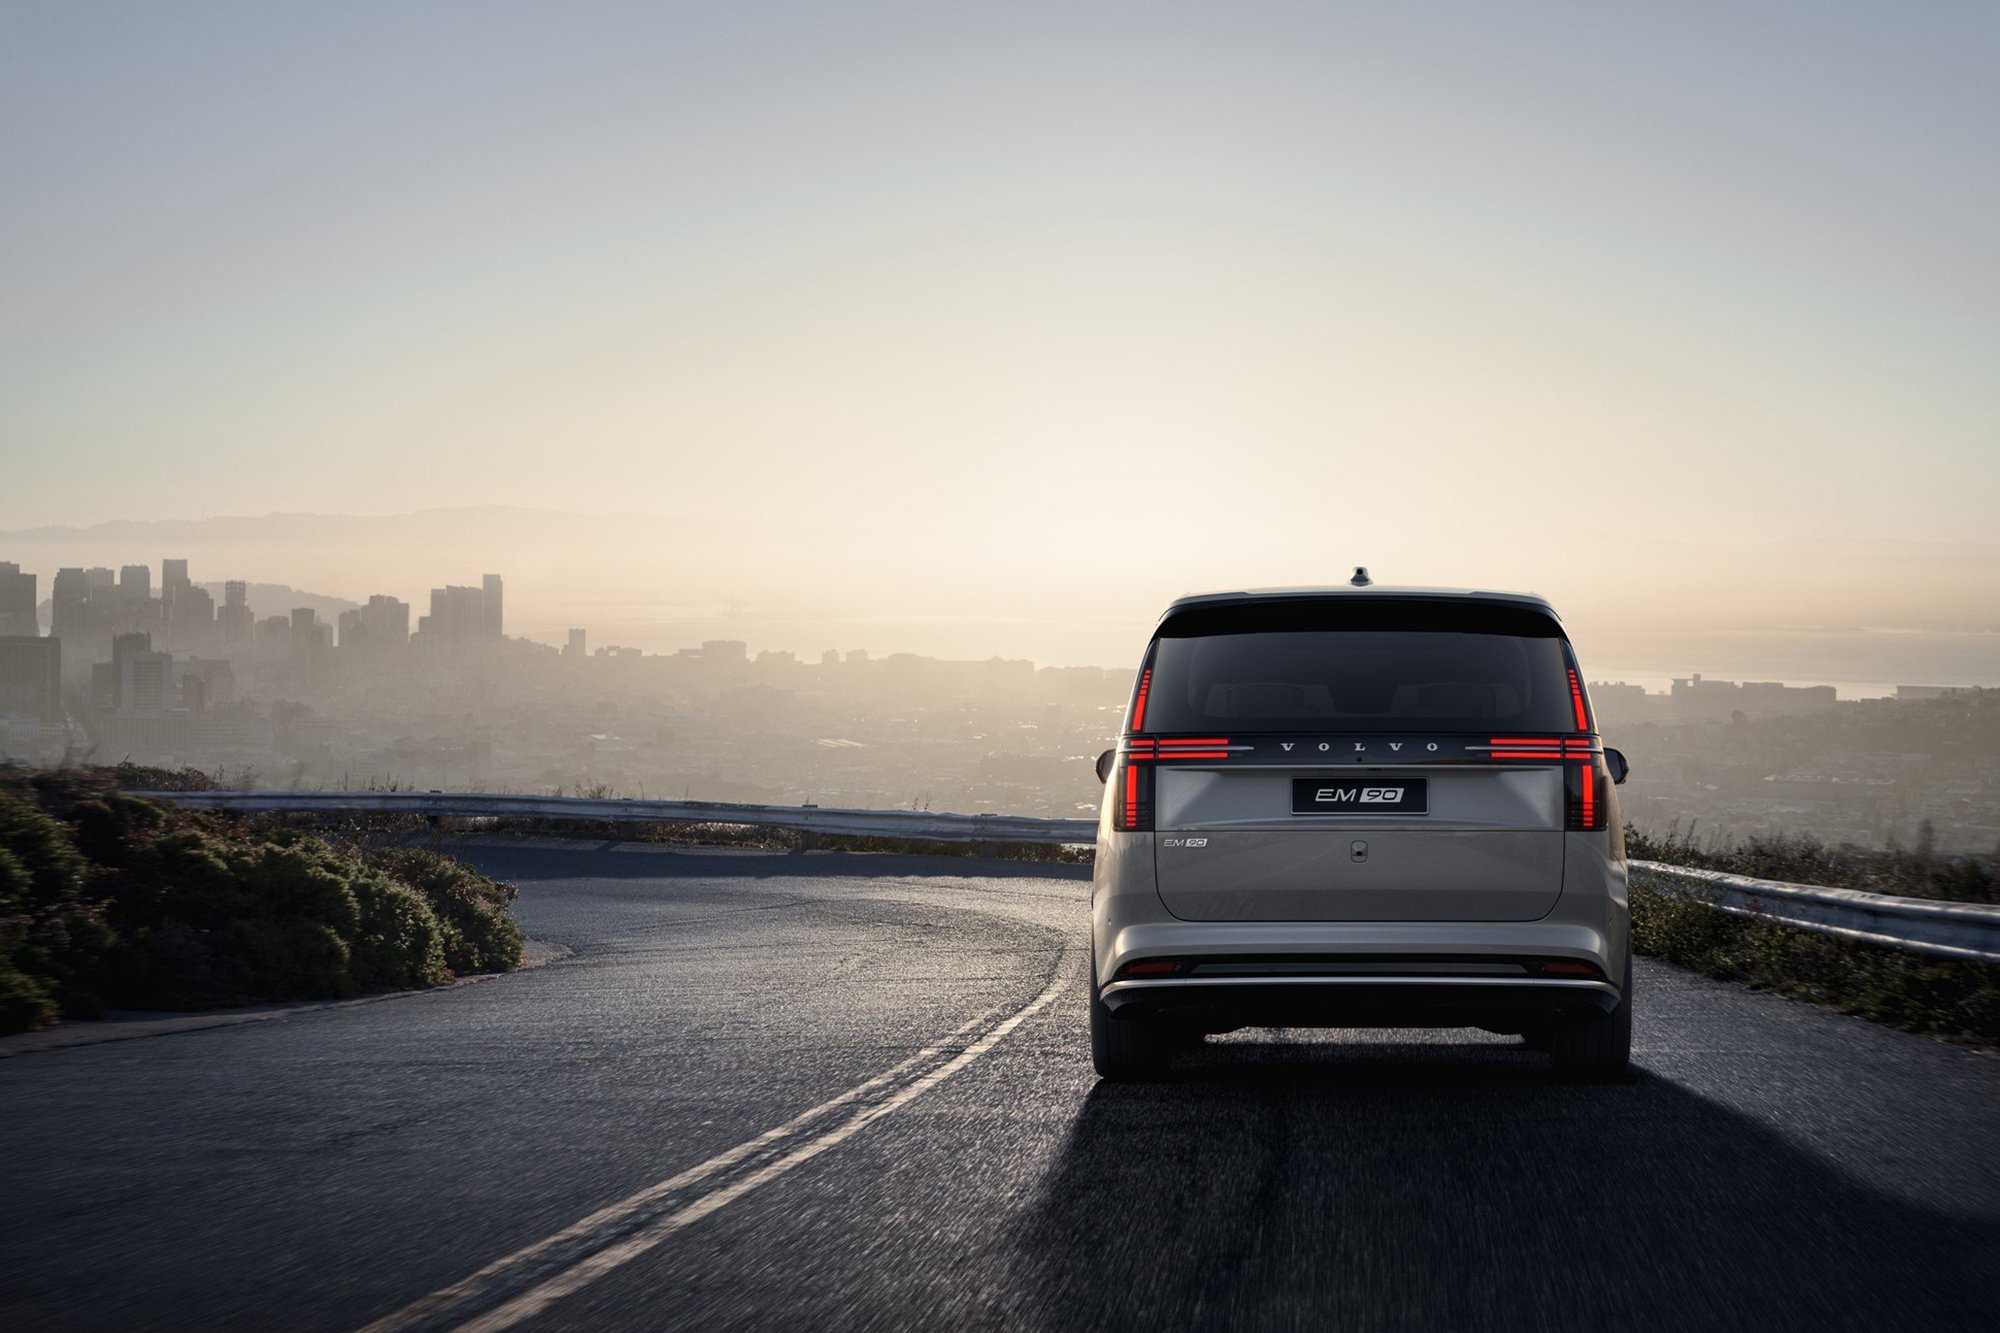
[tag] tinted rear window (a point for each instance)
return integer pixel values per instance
(1373, 667)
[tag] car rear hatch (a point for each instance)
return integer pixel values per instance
(1488, 845)
(1365, 759)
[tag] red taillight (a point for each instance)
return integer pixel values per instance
(1139, 703)
(1563, 967)
(1545, 748)
(1585, 807)
(1134, 811)
(1154, 967)
(1576, 701)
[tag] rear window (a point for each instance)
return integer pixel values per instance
(1287, 667)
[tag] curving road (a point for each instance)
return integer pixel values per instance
(854, 1092)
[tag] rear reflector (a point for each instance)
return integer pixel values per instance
(1157, 967)
(1563, 967)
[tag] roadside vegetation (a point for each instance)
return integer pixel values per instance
(1941, 996)
(1910, 872)
(107, 902)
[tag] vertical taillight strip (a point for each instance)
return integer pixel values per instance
(1586, 809)
(1134, 811)
(1576, 701)
(1139, 703)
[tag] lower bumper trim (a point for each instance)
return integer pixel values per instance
(1361, 1001)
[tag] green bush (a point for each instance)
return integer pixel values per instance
(23, 1002)
(480, 934)
(400, 944)
(53, 937)
(108, 898)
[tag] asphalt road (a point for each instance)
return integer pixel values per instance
(854, 1092)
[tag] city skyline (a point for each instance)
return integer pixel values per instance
(338, 694)
(95, 606)
(1684, 607)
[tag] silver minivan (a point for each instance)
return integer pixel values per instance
(1360, 807)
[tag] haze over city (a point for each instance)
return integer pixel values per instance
(986, 332)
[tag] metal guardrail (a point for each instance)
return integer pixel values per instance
(1918, 925)
(1968, 931)
(920, 824)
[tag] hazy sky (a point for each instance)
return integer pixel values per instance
(989, 301)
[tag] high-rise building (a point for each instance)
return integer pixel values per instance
(190, 613)
(575, 646)
(137, 681)
(383, 625)
(91, 608)
(489, 587)
(187, 613)
(143, 683)
(235, 622)
(273, 636)
(31, 677)
(310, 634)
(458, 615)
(19, 614)
(68, 595)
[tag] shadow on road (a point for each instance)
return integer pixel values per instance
(1321, 1185)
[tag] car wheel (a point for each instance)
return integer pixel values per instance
(1122, 1049)
(1601, 1049)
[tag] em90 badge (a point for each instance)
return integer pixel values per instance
(1333, 796)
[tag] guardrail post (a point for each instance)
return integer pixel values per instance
(807, 839)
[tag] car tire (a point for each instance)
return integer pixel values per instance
(1599, 1051)
(1125, 1050)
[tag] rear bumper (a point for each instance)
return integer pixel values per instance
(1502, 1003)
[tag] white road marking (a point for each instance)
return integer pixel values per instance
(581, 1253)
